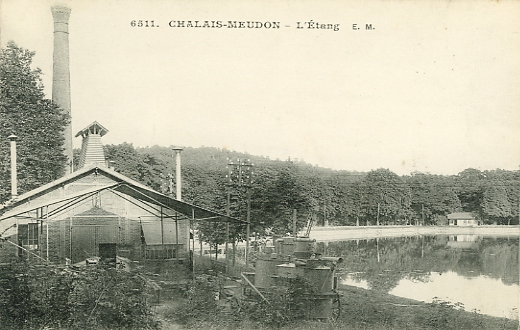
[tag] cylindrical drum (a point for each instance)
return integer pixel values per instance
(265, 269)
(288, 246)
(289, 270)
(321, 307)
(321, 279)
(304, 247)
(278, 245)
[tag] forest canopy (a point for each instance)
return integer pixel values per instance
(334, 197)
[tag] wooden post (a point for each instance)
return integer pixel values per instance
(377, 217)
(294, 219)
(422, 213)
(192, 252)
(228, 212)
(176, 237)
(162, 229)
(200, 241)
(248, 225)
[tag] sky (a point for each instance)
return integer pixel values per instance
(432, 86)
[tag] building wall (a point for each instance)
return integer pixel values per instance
(76, 232)
(467, 223)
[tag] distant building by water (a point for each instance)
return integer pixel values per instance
(462, 219)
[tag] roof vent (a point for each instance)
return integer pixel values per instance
(92, 149)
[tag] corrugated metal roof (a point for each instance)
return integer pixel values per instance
(28, 207)
(123, 185)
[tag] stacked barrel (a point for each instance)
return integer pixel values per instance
(295, 257)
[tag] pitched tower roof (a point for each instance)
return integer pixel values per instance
(92, 149)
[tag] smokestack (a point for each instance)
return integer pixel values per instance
(61, 73)
(14, 184)
(178, 180)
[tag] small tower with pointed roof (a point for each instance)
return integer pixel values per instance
(92, 149)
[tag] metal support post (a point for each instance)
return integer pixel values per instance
(47, 231)
(176, 237)
(192, 254)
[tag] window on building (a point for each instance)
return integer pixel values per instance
(28, 235)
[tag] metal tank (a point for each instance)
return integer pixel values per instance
(288, 245)
(265, 269)
(320, 278)
(304, 247)
(295, 257)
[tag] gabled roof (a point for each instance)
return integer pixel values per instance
(20, 207)
(96, 211)
(94, 128)
(123, 186)
(461, 216)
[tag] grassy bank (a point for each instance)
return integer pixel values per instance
(368, 309)
(360, 309)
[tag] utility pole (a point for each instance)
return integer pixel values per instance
(228, 213)
(241, 174)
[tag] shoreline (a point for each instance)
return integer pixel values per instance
(346, 233)
(338, 233)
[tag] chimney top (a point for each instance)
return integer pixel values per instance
(94, 128)
(60, 14)
(12, 137)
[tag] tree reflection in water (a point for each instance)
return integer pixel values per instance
(384, 262)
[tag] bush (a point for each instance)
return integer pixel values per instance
(35, 297)
(201, 302)
(107, 297)
(288, 302)
(444, 314)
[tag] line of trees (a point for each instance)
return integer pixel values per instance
(337, 197)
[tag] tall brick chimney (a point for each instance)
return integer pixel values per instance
(61, 72)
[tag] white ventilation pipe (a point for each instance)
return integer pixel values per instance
(178, 180)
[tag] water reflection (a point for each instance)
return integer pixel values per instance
(480, 272)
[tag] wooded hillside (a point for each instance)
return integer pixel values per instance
(336, 197)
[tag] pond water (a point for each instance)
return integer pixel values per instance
(481, 272)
